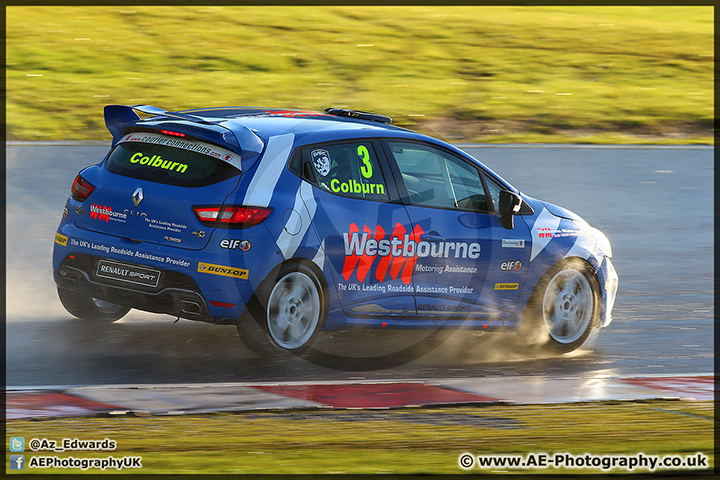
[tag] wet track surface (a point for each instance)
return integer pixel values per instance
(654, 204)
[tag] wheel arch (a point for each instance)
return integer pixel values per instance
(320, 275)
(589, 265)
(529, 329)
(272, 275)
(589, 261)
(300, 261)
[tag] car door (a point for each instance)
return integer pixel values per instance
(464, 267)
(362, 225)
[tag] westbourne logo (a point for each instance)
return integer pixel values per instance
(544, 233)
(101, 213)
(398, 254)
(105, 213)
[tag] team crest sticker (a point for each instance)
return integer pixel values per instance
(321, 160)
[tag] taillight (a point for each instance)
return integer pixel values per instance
(231, 216)
(81, 189)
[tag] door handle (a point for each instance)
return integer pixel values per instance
(432, 238)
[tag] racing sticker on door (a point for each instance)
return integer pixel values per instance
(398, 253)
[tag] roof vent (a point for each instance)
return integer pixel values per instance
(343, 112)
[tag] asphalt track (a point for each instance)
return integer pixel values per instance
(654, 204)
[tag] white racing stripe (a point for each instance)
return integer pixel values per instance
(319, 257)
(262, 186)
(306, 192)
(542, 230)
(585, 246)
(287, 242)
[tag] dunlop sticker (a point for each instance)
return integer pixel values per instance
(240, 273)
(506, 286)
(61, 239)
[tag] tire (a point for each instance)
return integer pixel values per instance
(563, 309)
(287, 313)
(89, 308)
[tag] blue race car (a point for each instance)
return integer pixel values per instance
(289, 222)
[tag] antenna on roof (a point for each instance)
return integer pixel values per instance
(344, 112)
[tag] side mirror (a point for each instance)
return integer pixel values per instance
(510, 204)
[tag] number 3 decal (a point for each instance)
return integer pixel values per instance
(366, 169)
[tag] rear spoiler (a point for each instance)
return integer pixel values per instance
(119, 117)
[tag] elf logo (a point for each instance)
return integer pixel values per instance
(514, 266)
(232, 244)
(398, 254)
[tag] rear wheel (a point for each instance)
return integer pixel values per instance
(89, 308)
(563, 308)
(289, 308)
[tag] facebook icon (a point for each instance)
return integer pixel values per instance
(17, 462)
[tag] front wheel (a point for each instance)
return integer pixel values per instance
(563, 309)
(90, 308)
(290, 309)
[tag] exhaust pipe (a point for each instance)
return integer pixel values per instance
(190, 308)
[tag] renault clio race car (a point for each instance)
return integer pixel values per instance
(290, 222)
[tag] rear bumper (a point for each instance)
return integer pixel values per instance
(189, 294)
(178, 295)
(181, 302)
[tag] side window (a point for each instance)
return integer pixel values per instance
(348, 169)
(436, 178)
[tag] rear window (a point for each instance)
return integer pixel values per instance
(168, 165)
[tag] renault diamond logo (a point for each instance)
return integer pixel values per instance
(137, 196)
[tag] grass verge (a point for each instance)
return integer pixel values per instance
(416, 441)
(492, 74)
